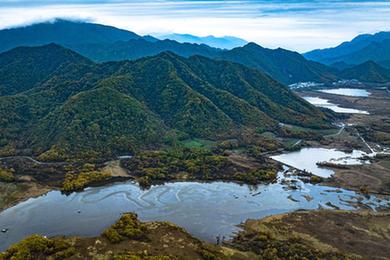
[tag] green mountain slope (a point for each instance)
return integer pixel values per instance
(286, 66)
(22, 68)
(94, 110)
(94, 120)
(367, 72)
(139, 48)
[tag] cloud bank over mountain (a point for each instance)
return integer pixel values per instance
(300, 25)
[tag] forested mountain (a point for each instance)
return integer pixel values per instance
(362, 48)
(284, 65)
(62, 32)
(101, 43)
(138, 48)
(21, 70)
(367, 72)
(95, 110)
(226, 42)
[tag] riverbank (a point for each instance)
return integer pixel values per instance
(318, 234)
(14, 193)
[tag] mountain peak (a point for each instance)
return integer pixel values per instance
(252, 45)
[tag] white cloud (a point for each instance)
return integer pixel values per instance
(297, 25)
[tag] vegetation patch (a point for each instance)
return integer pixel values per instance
(127, 227)
(39, 247)
(75, 182)
(7, 175)
(192, 164)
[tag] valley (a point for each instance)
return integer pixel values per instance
(120, 146)
(347, 183)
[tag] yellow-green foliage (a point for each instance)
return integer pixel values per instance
(6, 175)
(315, 179)
(127, 226)
(36, 245)
(79, 181)
(54, 154)
(201, 164)
(255, 176)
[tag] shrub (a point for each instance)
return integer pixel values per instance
(128, 226)
(74, 182)
(36, 245)
(7, 175)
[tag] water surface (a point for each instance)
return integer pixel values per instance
(353, 92)
(204, 209)
(307, 158)
(320, 102)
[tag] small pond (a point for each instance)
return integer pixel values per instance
(353, 92)
(320, 102)
(307, 158)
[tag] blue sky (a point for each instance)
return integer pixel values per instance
(294, 24)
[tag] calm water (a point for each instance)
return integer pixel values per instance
(320, 102)
(204, 209)
(353, 92)
(307, 158)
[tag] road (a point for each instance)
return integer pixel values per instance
(31, 159)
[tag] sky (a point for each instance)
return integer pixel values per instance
(299, 25)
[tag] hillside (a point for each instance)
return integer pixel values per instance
(103, 43)
(139, 48)
(283, 65)
(362, 48)
(286, 66)
(367, 72)
(20, 70)
(99, 110)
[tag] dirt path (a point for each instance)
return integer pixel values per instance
(115, 170)
(243, 161)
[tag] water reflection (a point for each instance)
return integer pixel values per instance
(204, 209)
(307, 158)
(320, 102)
(353, 92)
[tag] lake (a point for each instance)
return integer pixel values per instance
(353, 92)
(203, 209)
(307, 158)
(320, 102)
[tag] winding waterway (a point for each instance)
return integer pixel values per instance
(204, 209)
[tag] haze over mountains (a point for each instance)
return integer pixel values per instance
(226, 42)
(365, 47)
(64, 104)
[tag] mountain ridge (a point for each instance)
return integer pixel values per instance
(98, 110)
(296, 69)
(360, 49)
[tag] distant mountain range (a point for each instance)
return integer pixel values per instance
(226, 42)
(104, 43)
(57, 103)
(368, 71)
(366, 47)
(63, 32)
